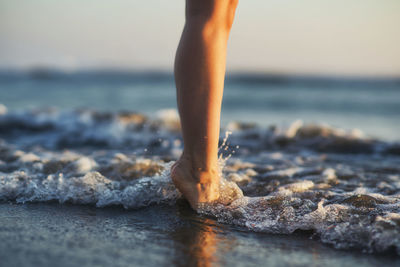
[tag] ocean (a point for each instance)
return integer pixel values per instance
(371, 105)
(85, 159)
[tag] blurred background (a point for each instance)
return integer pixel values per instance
(332, 62)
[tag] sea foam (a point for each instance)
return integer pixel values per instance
(342, 185)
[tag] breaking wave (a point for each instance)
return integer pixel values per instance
(342, 185)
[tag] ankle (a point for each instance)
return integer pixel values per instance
(202, 171)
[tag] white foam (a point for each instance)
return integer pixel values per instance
(3, 109)
(291, 179)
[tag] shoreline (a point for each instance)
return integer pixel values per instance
(68, 235)
(340, 184)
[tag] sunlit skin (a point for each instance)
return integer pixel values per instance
(199, 76)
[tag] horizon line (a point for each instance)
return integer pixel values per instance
(48, 71)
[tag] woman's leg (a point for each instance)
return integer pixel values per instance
(199, 77)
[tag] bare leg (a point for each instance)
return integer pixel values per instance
(199, 76)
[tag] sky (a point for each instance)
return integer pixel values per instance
(341, 37)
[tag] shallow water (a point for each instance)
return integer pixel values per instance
(340, 185)
(74, 235)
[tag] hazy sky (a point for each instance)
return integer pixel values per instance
(350, 37)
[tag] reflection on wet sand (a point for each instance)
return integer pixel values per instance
(197, 240)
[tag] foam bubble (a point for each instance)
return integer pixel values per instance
(339, 184)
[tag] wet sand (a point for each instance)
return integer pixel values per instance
(75, 235)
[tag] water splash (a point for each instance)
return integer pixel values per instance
(339, 184)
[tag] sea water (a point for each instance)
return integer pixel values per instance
(339, 182)
(370, 105)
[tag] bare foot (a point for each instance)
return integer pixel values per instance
(201, 187)
(196, 186)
